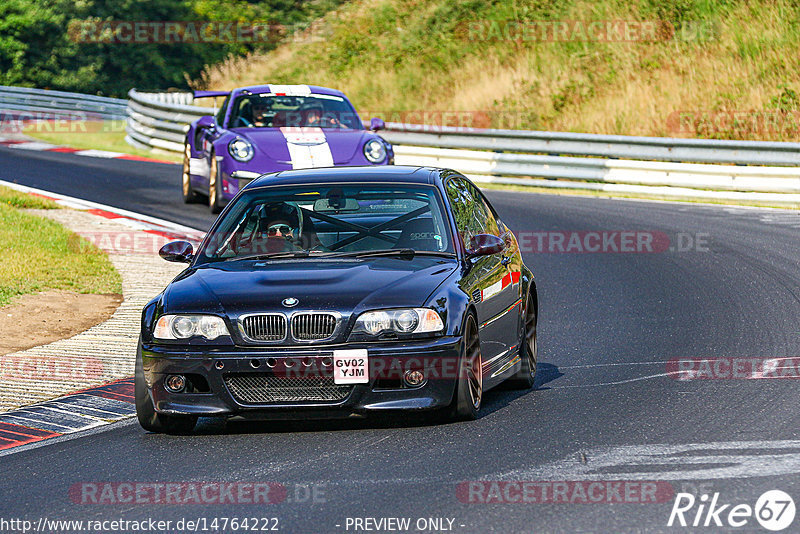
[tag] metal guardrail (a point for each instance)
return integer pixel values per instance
(31, 104)
(606, 146)
(650, 165)
(160, 120)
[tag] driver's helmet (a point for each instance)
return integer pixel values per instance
(280, 219)
(259, 105)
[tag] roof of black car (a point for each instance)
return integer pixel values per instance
(388, 174)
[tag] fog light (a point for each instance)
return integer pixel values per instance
(175, 383)
(414, 378)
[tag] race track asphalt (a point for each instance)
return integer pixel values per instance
(605, 407)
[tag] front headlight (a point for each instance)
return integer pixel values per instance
(375, 151)
(241, 149)
(186, 326)
(404, 321)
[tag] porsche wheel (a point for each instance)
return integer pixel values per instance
(214, 186)
(189, 195)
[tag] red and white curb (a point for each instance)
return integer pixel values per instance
(96, 406)
(136, 221)
(40, 146)
(82, 410)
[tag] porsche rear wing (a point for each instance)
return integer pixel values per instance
(205, 94)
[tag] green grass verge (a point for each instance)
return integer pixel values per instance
(15, 199)
(721, 69)
(108, 135)
(40, 254)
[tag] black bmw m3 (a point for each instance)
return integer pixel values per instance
(340, 292)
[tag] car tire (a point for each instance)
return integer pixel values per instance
(189, 194)
(469, 387)
(528, 351)
(151, 420)
(214, 186)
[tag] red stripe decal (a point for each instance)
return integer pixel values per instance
(515, 277)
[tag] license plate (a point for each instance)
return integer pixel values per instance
(350, 366)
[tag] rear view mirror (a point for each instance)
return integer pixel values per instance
(485, 245)
(376, 124)
(326, 205)
(177, 251)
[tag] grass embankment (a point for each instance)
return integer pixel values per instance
(40, 254)
(106, 135)
(732, 65)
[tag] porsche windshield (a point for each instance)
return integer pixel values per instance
(332, 221)
(277, 111)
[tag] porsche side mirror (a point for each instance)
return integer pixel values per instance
(177, 251)
(485, 245)
(206, 121)
(376, 124)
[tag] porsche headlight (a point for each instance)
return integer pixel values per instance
(241, 149)
(403, 321)
(186, 326)
(375, 151)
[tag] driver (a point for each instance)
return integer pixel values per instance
(315, 118)
(260, 111)
(279, 227)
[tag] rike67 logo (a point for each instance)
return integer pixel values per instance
(774, 510)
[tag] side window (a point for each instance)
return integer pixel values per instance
(222, 110)
(483, 213)
(473, 216)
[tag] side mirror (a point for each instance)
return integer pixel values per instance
(376, 124)
(206, 121)
(485, 245)
(177, 251)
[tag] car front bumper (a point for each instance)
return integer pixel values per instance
(385, 392)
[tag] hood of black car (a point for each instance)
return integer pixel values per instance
(345, 285)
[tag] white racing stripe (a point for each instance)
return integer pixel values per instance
(290, 90)
(198, 166)
(308, 147)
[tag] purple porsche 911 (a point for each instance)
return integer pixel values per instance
(269, 128)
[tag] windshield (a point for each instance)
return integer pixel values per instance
(314, 221)
(267, 110)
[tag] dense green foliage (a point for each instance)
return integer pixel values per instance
(714, 68)
(37, 48)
